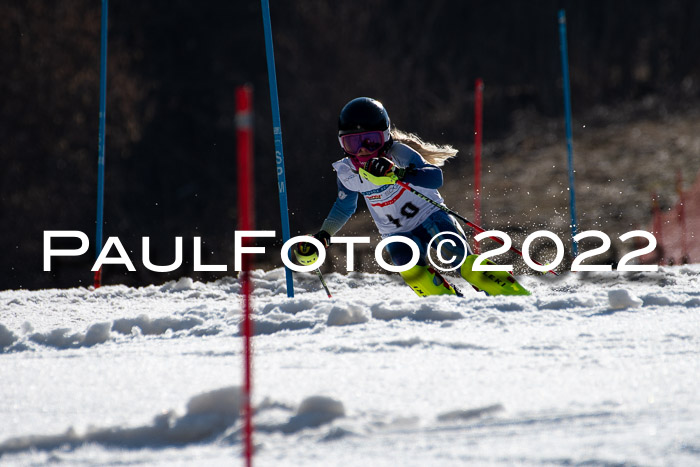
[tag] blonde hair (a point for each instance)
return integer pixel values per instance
(432, 153)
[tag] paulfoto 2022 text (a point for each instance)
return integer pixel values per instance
(243, 237)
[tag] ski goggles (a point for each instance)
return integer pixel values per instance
(370, 140)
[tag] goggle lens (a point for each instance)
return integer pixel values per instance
(371, 140)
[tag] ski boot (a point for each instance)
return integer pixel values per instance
(491, 282)
(425, 280)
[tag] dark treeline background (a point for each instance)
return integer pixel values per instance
(173, 66)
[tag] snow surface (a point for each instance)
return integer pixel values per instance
(592, 369)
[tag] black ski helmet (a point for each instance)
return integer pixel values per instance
(363, 114)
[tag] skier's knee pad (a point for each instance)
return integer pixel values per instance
(426, 281)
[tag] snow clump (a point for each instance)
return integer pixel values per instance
(621, 299)
(353, 314)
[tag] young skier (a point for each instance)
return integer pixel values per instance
(376, 158)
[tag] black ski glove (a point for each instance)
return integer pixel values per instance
(381, 167)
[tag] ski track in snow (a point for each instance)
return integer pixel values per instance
(593, 368)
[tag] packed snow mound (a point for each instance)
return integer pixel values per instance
(353, 314)
(226, 401)
(210, 415)
(313, 412)
(64, 338)
(207, 414)
(621, 299)
(7, 337)
(156, 326)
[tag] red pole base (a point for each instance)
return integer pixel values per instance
(98, 278)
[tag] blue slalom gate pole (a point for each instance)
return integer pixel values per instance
(277, 131)
(569, 135)
(101, 140)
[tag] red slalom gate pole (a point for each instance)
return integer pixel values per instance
(97, 283)
(681, 217)
(657, 223)
(244, 144)
(478, 125)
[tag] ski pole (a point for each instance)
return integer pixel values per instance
(323, 283)
(463, 219)
(306, 261)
